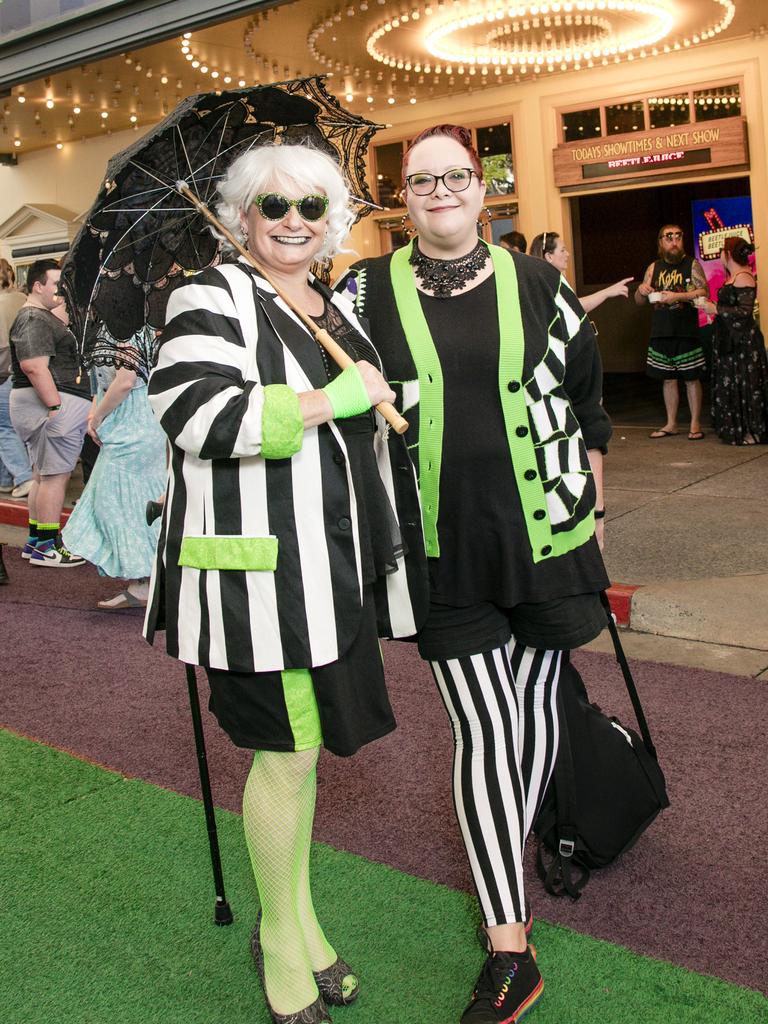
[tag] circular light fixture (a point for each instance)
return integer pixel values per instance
(59, 145)
(504, 38)
(50, 104)
(75, 110)
(17, 143)
(104, 115)
(21, 98)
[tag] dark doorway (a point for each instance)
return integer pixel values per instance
(614, 236)
(614, 233)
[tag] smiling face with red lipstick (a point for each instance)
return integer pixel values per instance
(445, 217)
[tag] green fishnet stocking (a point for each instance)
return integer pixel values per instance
(321, 952)
(278, 812)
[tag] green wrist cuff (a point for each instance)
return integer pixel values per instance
(347, 394)
(282, 423)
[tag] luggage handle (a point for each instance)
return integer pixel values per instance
(621, 658)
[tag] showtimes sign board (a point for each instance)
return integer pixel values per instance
(664, 151)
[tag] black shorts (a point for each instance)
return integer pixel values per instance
(560, 624)
(676, 359)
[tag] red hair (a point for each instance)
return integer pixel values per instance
(738, 249)
(451, 131)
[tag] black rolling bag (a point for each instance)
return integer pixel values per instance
(606, 788)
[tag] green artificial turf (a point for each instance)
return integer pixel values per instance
(107, 919)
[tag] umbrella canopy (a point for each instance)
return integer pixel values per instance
(142, 236)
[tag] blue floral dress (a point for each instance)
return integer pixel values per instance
(108, 525)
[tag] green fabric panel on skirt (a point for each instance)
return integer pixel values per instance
(301, 705)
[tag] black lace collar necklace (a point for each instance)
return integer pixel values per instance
(445, 277)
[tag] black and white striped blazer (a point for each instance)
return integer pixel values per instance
(227, 336)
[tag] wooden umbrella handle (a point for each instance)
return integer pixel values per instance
(334, 350)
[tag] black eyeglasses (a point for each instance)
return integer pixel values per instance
(455, 180)
(672, 235)
(273, 206)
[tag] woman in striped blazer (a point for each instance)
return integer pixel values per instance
(291, 535)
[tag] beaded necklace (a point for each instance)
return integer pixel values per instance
(444, 277)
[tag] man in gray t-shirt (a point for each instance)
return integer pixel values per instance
(49, 410)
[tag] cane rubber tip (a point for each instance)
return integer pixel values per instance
(222, 914)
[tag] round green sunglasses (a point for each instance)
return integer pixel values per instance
(273, 206)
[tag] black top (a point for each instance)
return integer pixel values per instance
(483, 556)
(36, 332)
(681, 319)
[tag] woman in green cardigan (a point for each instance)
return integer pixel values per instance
(496, 368)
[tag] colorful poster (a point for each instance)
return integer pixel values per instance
(713, 221)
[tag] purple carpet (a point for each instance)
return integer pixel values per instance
(693, 888)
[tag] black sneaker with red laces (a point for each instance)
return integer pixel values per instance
(508, 987)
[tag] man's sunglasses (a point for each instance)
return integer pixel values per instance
(670, 236)
(273, 206)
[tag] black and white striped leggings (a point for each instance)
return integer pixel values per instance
(504, 719)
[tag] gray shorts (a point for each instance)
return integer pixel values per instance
(54, 444)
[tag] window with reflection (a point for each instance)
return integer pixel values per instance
(494, 147)
(622, 118)
(388, 162)
(581, 124)
(668, 111)
(713, 104)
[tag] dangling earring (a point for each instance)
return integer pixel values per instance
(404, 226)
(485, 212)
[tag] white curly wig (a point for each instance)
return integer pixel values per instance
(296, 167)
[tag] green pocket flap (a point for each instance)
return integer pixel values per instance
(253, 554)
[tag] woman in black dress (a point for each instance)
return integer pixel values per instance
(496, 368)
(739, 365)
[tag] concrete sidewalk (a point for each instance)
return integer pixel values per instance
(687, 525)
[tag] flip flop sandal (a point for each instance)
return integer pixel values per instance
(125, 600)
(658, 434)
(696, 436)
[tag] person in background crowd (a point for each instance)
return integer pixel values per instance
(497, 370)
(108, 526)
(50, 401)
(279, 547)
(515, 241)
(550, 247)
(739, 364)
(671, 285)
(15, 470)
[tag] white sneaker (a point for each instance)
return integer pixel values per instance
(23, 489)
(55, 557)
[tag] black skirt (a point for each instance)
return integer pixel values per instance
(345, 707)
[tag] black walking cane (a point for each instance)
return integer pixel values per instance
(222, 913)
